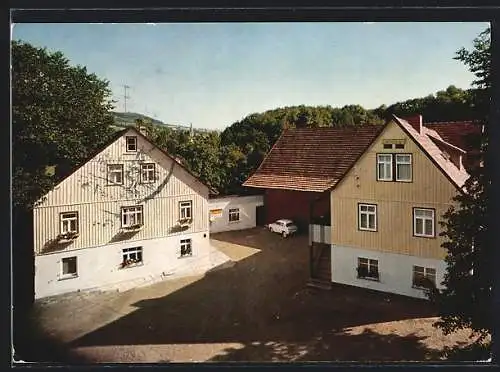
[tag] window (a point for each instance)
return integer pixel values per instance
(186, 248)
(115, 174)
(131, 256)
(400, 146)
(367, 217)
(131, 143)
(132, 216)
(424, 277)
(398, 165)
(185, 209)
(148, 173)
(234, 215)
(384, 167)
(368, 268)
(69, 268)
(423, 222)
(403, 167)
(69, 222)
(387, 146)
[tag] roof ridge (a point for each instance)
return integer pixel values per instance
(450, 121)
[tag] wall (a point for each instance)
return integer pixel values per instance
(395, 200)
(100, 266)
(99, 205)
(294, 205)
(247, 206)
(396, 270)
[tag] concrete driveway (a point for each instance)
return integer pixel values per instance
(256, 308)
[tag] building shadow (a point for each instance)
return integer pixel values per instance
(262, 302)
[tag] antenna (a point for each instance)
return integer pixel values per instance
(125, 96)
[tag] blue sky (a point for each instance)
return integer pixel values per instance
(213, 74)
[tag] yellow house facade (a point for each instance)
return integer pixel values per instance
(385, 211)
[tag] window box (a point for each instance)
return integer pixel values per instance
(185, 221)
(130, 263)
(68, 236)
(135, 227)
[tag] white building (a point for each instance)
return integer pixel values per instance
(234, 212)
(130, 212)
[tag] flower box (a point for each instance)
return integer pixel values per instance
(68, 236)
(135, 227)
(129, 262)
(185, 222)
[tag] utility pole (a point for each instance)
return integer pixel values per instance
(125, 97)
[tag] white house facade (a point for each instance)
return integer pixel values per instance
(234, 212)
(130, 212)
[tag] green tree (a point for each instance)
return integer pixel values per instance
(60, 115)
(466, 300)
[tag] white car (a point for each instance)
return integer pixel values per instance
(283, 227)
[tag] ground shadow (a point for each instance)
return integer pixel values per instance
(264, 299)
(367, 346)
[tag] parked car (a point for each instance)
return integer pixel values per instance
(283, 226)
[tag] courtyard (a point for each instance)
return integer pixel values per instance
(255, 308)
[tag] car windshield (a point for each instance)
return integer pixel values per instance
(289, 224)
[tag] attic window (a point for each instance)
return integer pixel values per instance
(400, 145)
(131, 143)
(387, 146)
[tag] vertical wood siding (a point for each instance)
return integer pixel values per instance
(395, 200)
(99, 205)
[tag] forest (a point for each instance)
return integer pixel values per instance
(224, 160)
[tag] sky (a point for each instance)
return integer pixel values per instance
(211, 75)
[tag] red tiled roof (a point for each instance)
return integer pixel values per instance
(312, 159)
(456, 132)
(456, 175)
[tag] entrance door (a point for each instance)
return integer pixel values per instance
(260, 213)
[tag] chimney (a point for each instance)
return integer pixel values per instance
(416, 122)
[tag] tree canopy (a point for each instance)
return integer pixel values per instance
(466, 301)
(60, 115)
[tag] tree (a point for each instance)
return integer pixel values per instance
(466, 300)
(60, 116)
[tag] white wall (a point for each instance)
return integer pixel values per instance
(247, 206)
(100, 266)
(396, 270)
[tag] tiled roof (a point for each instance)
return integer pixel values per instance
(312, 159)
(456, 175)
(456, 132)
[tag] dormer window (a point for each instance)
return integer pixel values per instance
(131, 143)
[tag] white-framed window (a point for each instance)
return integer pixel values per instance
(423, 222)
(367, 268)
(423, 277)
(148, 172)
(69, 222)
(403, 167)
(131, 143)
(115, 174)
(234, 215)
(69, 268)
(384, 167)
(132, 216)
(367, 217)
(186, 248)
(131, 256)
(185, 210)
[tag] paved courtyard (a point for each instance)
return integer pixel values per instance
(254, 308)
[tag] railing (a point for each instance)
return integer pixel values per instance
(320, 234)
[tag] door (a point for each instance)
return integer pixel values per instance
(260, 213)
